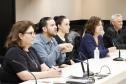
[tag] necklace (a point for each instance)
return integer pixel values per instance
(32, 59)
(62, 38)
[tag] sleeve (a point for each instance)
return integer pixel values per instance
(120, 41)
(15, 59)
(61, 58)
(36, 55)
(103, 52)
(107, 38)
(88, 45)
(102, 49)
(49, 58)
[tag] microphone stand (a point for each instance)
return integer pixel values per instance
(82, 68)
(88, 71)
(86, 75)
(118, 58)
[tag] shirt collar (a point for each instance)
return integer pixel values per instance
(45, 39)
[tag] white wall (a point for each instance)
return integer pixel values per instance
(74, 9)
(36, 9)
(103, 8)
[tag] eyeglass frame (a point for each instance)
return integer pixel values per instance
(31, 33)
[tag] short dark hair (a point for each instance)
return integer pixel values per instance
(91, 24)
(42, 23)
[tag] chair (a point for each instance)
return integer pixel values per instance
(5, 77)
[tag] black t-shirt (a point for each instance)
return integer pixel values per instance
(17, 60)
(68, 54)
(59, 40)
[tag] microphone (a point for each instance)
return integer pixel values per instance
(117, 45)
(16, 62)
(88, 73)
(85, 79)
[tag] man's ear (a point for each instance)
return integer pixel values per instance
(44, 29)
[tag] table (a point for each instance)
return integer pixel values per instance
(117, 68)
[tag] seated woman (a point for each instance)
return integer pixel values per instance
(92, 39)
(63, 27)
(21, 60)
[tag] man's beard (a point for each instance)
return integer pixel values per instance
(52, 34)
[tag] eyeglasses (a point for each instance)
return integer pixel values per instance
(31, 33)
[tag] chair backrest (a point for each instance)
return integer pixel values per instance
(5, 77)
(76, 48)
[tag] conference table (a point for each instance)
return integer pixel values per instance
(106, 71)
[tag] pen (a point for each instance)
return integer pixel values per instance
(54, 67)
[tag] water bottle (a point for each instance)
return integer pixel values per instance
(96, 53)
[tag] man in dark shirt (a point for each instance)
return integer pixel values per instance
(114, 35)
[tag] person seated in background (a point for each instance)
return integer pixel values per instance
(115, 34)
(63, 27)
(75, 31)
(46, 46)
(21, 60)
(74, 37)
(92, 39)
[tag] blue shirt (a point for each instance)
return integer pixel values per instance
(48, 50)
(88, 45)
